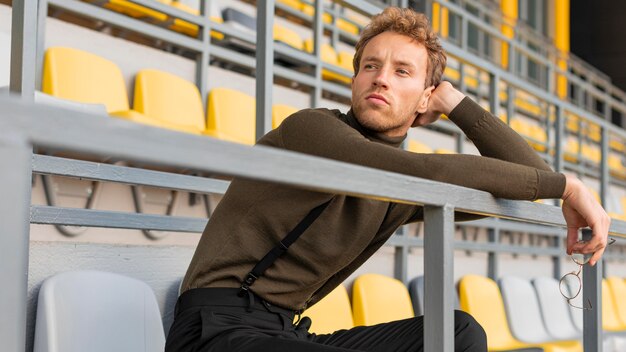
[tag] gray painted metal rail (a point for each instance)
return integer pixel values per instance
(24, 125)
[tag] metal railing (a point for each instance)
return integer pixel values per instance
(25, 125)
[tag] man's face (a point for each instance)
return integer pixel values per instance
(388, 92)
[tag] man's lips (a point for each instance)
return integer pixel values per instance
(377, 98)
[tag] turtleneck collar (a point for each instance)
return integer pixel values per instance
(373, 135)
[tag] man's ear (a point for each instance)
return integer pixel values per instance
(423, 104)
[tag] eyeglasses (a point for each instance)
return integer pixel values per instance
(571, 285)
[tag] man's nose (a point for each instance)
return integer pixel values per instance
(381, 79)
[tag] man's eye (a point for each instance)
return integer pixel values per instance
(403, 72)
(369, 66)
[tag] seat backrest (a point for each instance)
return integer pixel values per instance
(554, 309)
(481, 298)
(231, 116)
(522, 310)
(280, 112)
(416, 291)
(379, 299)
(418, 147)
(332, 313)
(328, 53)
(84, 77)
(97, 311)
(166, 97)
(610, 319)
(617, 287)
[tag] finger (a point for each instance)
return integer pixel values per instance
(572, 238)
(596, 256)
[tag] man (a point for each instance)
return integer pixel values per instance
(237, 296)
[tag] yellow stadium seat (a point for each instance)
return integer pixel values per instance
(616, 167)
(593, 131)
(288, 36)
(231, 116)
(328, 56)
(190, 28)
(332, 313)
(621, 215)
(379, 299)
(610, 317)
(571, 151)
(345, 60)
(481, 297)
(617, 145)
(591, 152)
(169, 99)
(454, 75)
(280, 112)
(294, 4)
(617, 287)
(418, 147)
(134, 10)
(444, 151)
(347, 26)
(572, 123)
(540, 138)
(310, 11)
(84, 77)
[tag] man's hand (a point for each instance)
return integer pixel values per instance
(442, 101)
(581, 209)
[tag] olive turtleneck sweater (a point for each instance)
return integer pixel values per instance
(254, 216)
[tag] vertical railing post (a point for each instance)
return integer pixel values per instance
(592, 293)
(438, 278)
(23, 48)
(318, 34)
(15, 188)
(264, 67)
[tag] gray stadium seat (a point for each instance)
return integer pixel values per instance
(524, 316)
(97, 312)
(416, 290)
(554, 309)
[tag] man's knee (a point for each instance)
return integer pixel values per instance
(468, 332)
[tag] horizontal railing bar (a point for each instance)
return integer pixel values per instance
(46, 215)
(116, 138)
(400, 240)
(49, 165)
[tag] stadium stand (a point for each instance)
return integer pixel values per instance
(170, 100)
(554, 309)
(97, 311)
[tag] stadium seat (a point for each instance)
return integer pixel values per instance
(571, 150)
(97, 311)
(416, 291)
(524, 316)
(591, 153)
(379, 299)
(480, 297)
(84, 77)
(173, 102)
(134, 10)
(418, 147)
(617, 287)
(192, 29)
(246, 23)
(444, 151)
(345, 60)
(616, 166)
(280, 112)
(610, 318)
(342, 24)
(231, 116)
(332, 313)
(328, 56)
(554, 309)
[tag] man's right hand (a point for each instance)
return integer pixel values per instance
(442, 101)
(581, 209)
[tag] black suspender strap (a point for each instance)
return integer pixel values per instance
(281, 248)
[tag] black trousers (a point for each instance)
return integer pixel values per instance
(216, 319)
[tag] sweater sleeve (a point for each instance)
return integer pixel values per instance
(319, 133)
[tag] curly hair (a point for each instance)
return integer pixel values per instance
(412, 24)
